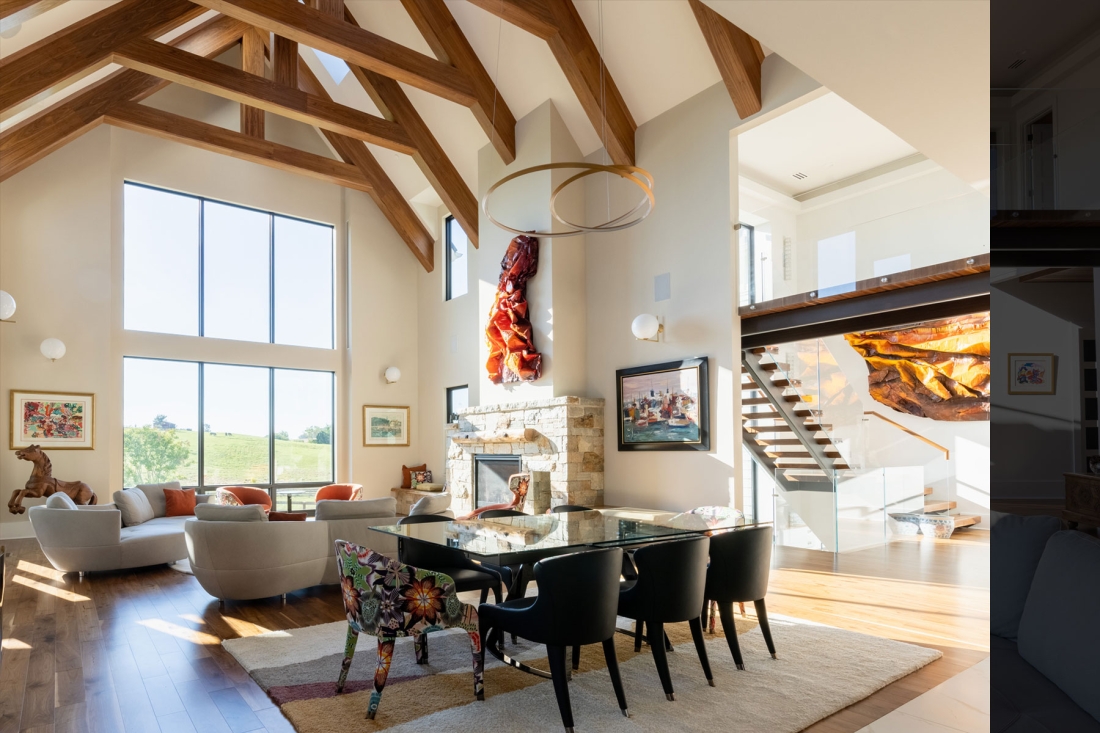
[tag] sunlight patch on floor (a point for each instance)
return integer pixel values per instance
(180, 632)
(61, 593)
(40, 570)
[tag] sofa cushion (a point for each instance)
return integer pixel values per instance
(180, 502)
(60, 500)
(1020, 542)
(431, 505)
(408, 471)
(333, 509)
(220, 513)
(156, 541)
(1022, 700)
(1059, 631)
(155, 494)
(134, 505)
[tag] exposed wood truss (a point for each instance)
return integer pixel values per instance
(140, 118)
(323, 32)
(17, 12)
(560, 25)
(394, 104)
(252, 68)
(84, 47)
(737, 54)
(210, 76)
(36, 137)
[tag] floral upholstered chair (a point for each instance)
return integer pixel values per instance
(387, 599)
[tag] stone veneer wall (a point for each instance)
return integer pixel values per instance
(569, 446)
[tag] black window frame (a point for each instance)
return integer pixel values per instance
(203, 200)
(450, 400)
(447, 260)
(271, 486)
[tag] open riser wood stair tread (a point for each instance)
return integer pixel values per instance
(931, 507)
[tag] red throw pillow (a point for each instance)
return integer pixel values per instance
(287, 516)
(180, 502)
(408, 471)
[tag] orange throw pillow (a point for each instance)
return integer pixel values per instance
(180, 502)
(408, 471)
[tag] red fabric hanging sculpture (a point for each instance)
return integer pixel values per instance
(512, 354)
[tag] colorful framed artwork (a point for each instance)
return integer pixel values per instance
(54, 420)
(664, 406)
(385, 425)
(1031, 373)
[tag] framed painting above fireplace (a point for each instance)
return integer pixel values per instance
(664, 406)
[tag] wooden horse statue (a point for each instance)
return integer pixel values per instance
(518, 484)
(42, 482)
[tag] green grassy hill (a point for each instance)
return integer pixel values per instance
(243, 459)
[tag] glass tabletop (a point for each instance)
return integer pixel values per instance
(529, 537)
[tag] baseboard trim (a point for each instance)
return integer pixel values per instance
(16, 531)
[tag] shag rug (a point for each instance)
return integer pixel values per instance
(820, 670)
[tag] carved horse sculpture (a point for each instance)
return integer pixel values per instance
(518, 484)
(42, 482)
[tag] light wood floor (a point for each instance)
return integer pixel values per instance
(139, 651)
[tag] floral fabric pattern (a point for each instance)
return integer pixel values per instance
(387, 599)
(226, 498)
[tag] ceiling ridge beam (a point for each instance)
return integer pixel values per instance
(429, 156)
(447, 41)
(85, 46)
(207, 75)
(738, 56)
(560, 25)
(176, 128)
(26, 143)
(332, 35)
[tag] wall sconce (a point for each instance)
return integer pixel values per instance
(53, 349)
(393, 374)
(7, 306)
(647, 327)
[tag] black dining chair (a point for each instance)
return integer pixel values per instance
(671, 579)
(497, 513)
(576, 604)
(740, 563)
(467, 574)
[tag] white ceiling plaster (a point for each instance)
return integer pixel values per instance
(826, 139)
(919, 67)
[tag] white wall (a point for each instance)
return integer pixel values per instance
(61, 258)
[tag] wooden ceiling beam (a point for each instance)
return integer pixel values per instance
(560, 25)
(85, 46)
(450, 46)
(738, 56)
(332, 35)
(17, 12)
(175, 65)
(252, 62)
(284, 62)
(169, 126)
(36, 137)
(429, 156)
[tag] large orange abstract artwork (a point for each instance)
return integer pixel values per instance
(938, 370)
(512, 354)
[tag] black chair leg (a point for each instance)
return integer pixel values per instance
(638, 632)
(696, 625)
(705, 615)
(657, 646)
(613, 670)
(668, 644)
(762, 615)
(496, 594)
(576, 657)
(556, 656)
(725, 611)
(485, 595)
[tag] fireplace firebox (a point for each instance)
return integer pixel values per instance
(491, 474)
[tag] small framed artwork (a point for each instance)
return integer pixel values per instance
(1031, 373)
(385, 425)
(664, 406)
(55, 420)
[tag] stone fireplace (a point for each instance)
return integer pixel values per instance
(560, 441)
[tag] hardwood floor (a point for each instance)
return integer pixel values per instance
(139, 651)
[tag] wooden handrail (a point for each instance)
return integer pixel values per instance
(918, 436)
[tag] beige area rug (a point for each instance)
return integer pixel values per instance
(820, 670)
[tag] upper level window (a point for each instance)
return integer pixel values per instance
(458, 399)
(457, 259)
(202, 268)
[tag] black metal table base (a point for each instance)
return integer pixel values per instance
(492, 647)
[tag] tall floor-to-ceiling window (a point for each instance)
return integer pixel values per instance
(201, 268)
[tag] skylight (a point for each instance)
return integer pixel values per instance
(337, 68)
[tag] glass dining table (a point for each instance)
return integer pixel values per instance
(521, 541)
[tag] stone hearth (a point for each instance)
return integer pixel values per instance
(562, 437)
